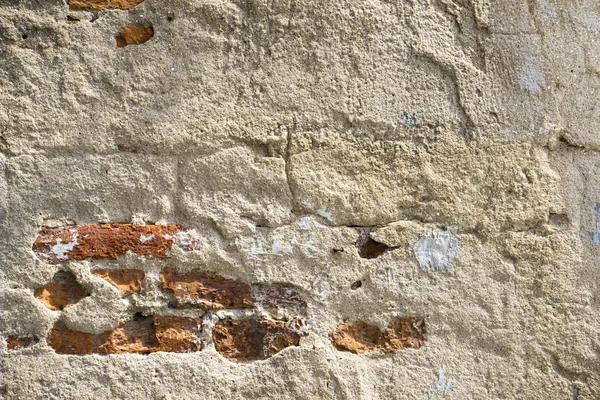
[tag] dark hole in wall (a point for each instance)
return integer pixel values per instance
(368, 247)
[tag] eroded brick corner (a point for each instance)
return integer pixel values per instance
(278, 296)
(128, 280)
(255, 339)
(133, 34)
(205, 290)
(141, 335)
(358, 337)
(81, 242)
(98, 5)
(63, 291)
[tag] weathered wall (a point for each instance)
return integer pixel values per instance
(367, 199)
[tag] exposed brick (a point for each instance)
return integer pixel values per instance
(206, 290)
(178, 334)
(359, 336)
(16, 342)
(142, 335)
(254, 339)
(133, 34)
(104, 241)
(128, 280)
(63, 291)
(368, 247)
(278, 296)
(97, 5)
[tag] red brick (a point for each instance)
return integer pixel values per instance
(142, 335)
(63, 291)
(205, 290)
(359, 336)
(133, 34)
(16, 342)
(128, 280)
(254, 339)
(278, 296)
(79, 242)
(98, 5)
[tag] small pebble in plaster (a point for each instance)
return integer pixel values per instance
(438, 249)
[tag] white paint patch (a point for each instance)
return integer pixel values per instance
(304, 224)
(145, 239)
(60, 249)
(310, 245)
(281, 249)
(441, 386)
(325, 214)
(299, 326)
(437, 249)
(530, 75)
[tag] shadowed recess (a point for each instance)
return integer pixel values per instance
(368, 247)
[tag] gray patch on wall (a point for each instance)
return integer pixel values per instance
(437, 249)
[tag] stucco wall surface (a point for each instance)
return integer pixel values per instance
(299, 199)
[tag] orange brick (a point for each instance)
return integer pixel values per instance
(98, 5)
(359, 336)
(16, 342)
(63, 291)
(142, 335)
(205, 290)
(128, 280)
(104, 241)
(134, 34)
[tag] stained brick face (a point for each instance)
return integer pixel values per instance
(16, 342)
(359, 336)
(134, 34)
(104, 241)
(253, 339)
(141, 335)
(97, 5)
(205, 290)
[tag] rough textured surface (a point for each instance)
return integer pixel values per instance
(16, 343)
(63, 291)
(253, 339)
(462, 134)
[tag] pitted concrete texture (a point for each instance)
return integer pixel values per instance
(406, 191)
